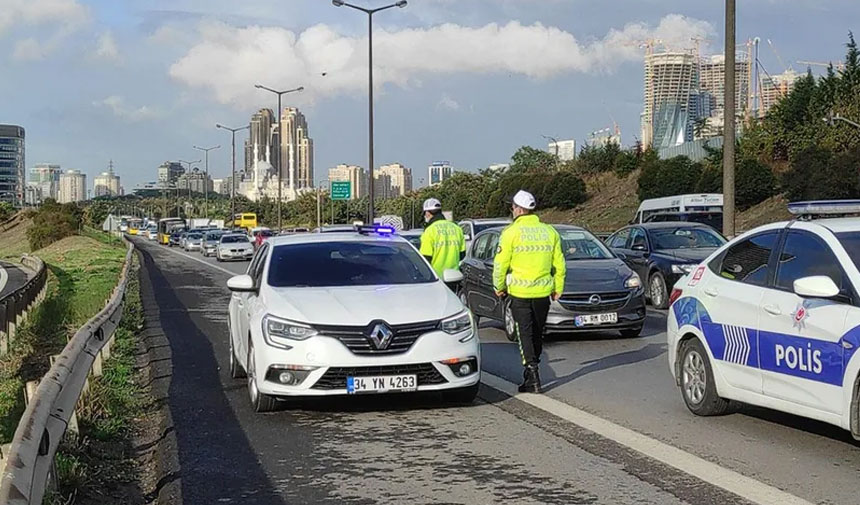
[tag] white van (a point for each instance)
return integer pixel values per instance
(708, 202)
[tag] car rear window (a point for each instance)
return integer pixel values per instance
(329, 264)
(685, 238)
(234, 239)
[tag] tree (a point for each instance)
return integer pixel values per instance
(674, 176)
(817, 174)
(530, 160)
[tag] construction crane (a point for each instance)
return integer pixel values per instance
(837, 66)
(778, 57)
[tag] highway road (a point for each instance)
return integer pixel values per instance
(12, 277)
(611, 427)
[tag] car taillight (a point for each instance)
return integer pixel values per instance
(676, 293)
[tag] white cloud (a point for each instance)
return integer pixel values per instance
(106, 48)
(29, 49)
(66, 16)
(120, 109)
(446, 102)
(228, 60)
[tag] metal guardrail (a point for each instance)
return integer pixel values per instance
(52, 407)
(14, 306)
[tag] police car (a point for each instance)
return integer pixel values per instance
(358, 312)
(773, 319)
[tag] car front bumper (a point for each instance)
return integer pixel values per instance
(335, 362)
(192, 247)
(226, 254)
(562, 318)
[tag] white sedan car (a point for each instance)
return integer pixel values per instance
(773, 319)
(234, 246)
(348, 313)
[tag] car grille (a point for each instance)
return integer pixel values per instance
(356, 339)
(581, 302)
(335, 377)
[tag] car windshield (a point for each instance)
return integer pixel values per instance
(685, 238)
(581, 245)
(214, 235)
(234, 239)
(366, 263)
(479, 227)
(194, 236)
(850, 240)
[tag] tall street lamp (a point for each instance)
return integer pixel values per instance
(832, 118)
(233, 179)
(188, 165)
(370, 13)
(280, 140)
(554, 143)
(206, 178)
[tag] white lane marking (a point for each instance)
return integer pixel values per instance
(198, 260)
(4, 277)
(731, 481)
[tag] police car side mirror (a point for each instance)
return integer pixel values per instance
(816, 286)
(450, 276)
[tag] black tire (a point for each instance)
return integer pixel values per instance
(464, 396)
(697, 381)
(260, 402)
(658, 291)
(510, 324)
(631, 332)
(236, 371)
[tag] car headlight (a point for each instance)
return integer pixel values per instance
(279, 332)
(682, 269)
(633, 281)
(457, 324)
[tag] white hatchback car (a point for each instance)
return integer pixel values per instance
(773, 319)
(349, 313)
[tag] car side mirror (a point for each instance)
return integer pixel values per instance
(639, 247)
(816, 286)
(241, 284)
(450, 276)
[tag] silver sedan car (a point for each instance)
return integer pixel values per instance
(193, 241)
(234, 246)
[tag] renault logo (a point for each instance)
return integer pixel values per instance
(381, 336)
(594, 299)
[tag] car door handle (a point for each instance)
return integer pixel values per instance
(711, 292)
(772, 309)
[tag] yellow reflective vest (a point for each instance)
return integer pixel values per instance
(443, 241)
(529, 261)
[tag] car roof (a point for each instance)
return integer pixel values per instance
(671, 224)
(487, 220)
(315, 238)
(839, 224)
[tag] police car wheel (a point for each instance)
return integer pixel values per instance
(697, 381)
(657, 291)
(510, 324)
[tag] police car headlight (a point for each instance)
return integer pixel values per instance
(682, 269)
(633, 282)
(278, 332)
(457, 324)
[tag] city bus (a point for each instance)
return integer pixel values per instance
(245, 220)
(167, 226)
(134, 225)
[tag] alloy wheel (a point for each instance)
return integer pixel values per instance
(694, 377)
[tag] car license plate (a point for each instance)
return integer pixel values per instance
(596, 319)
(383, 384)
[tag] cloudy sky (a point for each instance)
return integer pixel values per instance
(141, 81)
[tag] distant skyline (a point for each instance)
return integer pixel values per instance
(141, 81)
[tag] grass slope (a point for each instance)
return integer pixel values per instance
(13, 238)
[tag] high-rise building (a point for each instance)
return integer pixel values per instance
(106, 184)
(401, 178)
(46, 176)
(12, 172)
(670, 104)
(168, 173)
(712, 80)
(565, 149)
(438, 171)
(221, 186)
(297, 150)
(382, 186)
(262, 139)
(355, 175)
(196, 180)
(603, 137)
(775, 88)
(73, 187)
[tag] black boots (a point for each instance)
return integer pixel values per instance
(531, 380)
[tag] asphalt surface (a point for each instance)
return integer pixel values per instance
(403, 449)
(14, 275)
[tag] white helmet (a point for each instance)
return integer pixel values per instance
(432, 204)
(525, 200)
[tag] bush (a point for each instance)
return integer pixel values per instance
(53, 222)
(674, 176)
(754, 182)
(817, 174)
(6, 210)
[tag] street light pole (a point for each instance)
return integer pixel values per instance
(188, 177)
(832, 118)
(280, 141)
(555, 143)
(233, 178)
(370, 13)
(729, 124)
(206, 179)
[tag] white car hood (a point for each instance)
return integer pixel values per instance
(359, 305)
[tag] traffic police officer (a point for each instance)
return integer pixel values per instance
(529, 268)
(443, 242)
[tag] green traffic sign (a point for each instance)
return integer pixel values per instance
(341, 190)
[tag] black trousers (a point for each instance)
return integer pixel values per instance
(530, 317)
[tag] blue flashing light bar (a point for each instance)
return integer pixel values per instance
(377, 229)
(824, 207)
